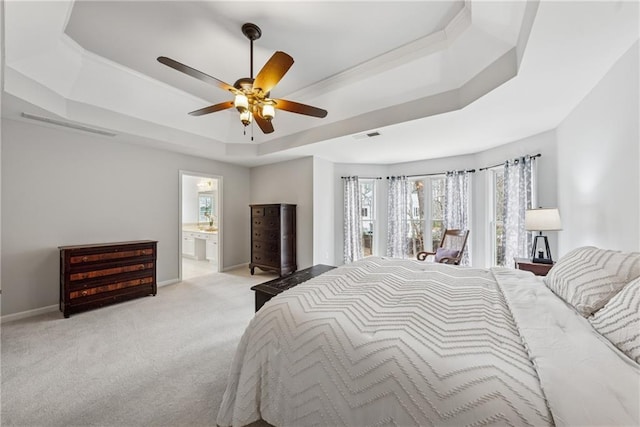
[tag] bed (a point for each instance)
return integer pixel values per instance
(387, 341)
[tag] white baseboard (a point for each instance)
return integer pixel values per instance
(167, 282)
(29, 313)
(233, 267)
(52, 308)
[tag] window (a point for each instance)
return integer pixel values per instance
(437, 211)
(425, 215)
(367, 210)
(415, 218)
(497, 220)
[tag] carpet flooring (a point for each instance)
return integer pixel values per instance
(153, 361)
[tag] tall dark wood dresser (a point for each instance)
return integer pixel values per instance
(96, 275)
(273, 238)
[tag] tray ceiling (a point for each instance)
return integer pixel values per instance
(433, 78)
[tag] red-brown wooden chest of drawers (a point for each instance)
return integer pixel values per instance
(96, 275)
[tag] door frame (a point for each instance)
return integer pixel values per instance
(219, 179)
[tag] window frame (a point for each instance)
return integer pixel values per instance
(372, 211)
(428, 219)
(493, 212)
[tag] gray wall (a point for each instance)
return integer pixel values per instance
(323, 217)
(289, 182)
(63, 187)
(599, 158)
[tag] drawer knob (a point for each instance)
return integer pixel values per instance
(84, 293)
(84, 258)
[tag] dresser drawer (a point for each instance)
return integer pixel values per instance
(266, 235)
(111, 287)
(108, 279)
(115, 254)
(94, 274)
(266, 222)
(267, 246)
(265, 258)
(110, 297)
(266, 211)
(273, 211)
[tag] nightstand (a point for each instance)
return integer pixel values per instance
(536, 268)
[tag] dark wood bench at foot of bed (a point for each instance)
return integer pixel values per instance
(267, 290)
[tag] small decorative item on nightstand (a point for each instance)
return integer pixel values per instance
(536, 268)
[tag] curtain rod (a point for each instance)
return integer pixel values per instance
(444, 173)
(499, 164)
(439, 173)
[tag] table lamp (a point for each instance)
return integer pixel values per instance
(542, 219)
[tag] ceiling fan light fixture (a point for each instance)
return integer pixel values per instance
(246, 117)
(251, 93)
(268, 111)
(241, 103)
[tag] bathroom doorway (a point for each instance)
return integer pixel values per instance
(200, 224)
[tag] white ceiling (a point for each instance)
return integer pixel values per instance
(435, 79)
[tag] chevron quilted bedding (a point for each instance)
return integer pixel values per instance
(405, 343)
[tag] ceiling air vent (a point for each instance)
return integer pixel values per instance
(67, 124)
(367, 135)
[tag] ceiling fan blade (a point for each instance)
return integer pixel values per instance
(195, 73)
(212, 108)
(296, 107)
(265, 125)
(275, 68)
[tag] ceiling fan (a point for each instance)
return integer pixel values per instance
(252, 95)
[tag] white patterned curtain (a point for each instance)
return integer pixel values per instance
(456, 206)
(518, 193)
(352, 224)
(397, 210)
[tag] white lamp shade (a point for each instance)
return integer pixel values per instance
(543, 219)
(268, 112)
(241, 103)
(245, 117)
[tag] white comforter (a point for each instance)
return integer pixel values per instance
(399, 342)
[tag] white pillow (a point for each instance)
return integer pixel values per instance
(588, 277)
(619, 320)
